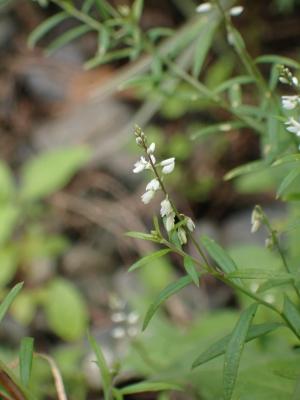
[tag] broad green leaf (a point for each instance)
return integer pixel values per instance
(9, 216)
(9, 298)
(218, 348)
(24, 307)
(67, 37)
(7, 186)
(287, 181)
(205, 37)
(51, 171)
(220, 256)
(171, 289)
(45, 27)
(291, 314)
(234, 350)
(217, 128)
(253, 166)
(191, 270)
(65, 310)
(102, 365)
(275, 59)
(147, 259)
(25, 359)
(149, 387)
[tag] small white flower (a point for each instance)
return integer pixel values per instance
(118, 317)
(133, 317)
(170, 221)
(139, 141)
(166, 208)
(182, 236)
(140, 165)
(236, 11)
(132, 331)
(190, 224)
(153, 185)
(289, 102)
(204, 7)
(168, 165)
(295, 81)
(118, 333)
(293, 126)
(151, 148)
(283, 80)
(152, 158)
(148, 196)
(255, 221)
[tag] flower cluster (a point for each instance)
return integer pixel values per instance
(159, 169)
(207, 6)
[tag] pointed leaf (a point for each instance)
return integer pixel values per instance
(171, 289)
(217, 128)
(149, 387)
(271, 283)
(218, 348)
(287, 181)
(275, 59)
(45, 27)
(290, 158)
(190, 268)
(147, 259)
(253, 166)
(25, 359)
(137, 9)
(234, 350)
(9, 298)
(292, 314)
(67, 37)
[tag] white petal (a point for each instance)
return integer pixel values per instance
(235, 11)
(168, 168)
(140, 165)
(204, 7)
(151, 148)
(170, 221)
(190, 224)
(168, 161)
(153, 185)
(166, 208)
(182, 236)
(295, 81)
(148, 196)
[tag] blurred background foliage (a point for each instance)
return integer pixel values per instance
(67, 194)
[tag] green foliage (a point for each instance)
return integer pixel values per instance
(25, 359)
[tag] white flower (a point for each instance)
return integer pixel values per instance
(293, 126)
(140, 165)
(170, 221)
(166, 208)
(190, 224)
(182, 236)
(204, 7)
(255, 221)
(152, 158)
(168, 165)
(151, 148)
(289, 102)
(118, 333)
(295, 81)
(148, 196)
(283, 80)
(153, 185)
(235, 11)
(139, 141)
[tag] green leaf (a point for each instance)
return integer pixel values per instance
(220, 256)
(272, 283)
(100, 59)
(167, 292)
(141, 235)
(149, 387)
(287, 181)
(235, 95)
(296, 393)
(275, 59)
(102, 364)
(205, 37)
(234, 350)
(239, 80)
(9, 217)
(292, 314)
(218, 348)
(7, 186)
(137, 9)
(253, 166)
(67, 37)
(290, 158)
(51, 171)
(147, 259)
(217, 128)
(25, 359)
(190, 268)
(259, 273)
(45, 27)
(9, 258)
(9, 298)
(65, 310)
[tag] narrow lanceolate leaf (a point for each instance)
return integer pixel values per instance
(149, 387)
(220, 256)
(171, 289)
(25, 359)
(240, 80)
(67, 37)
(271, 283)
(290, 158)
(253, 166)
(292, 314)
(142, 236)
(256, 273)
(217, 128)
(102, 364)
(148, 259)
(218, 348)
(137, 9)
(234, 350)
(9, 298)
(287, 181)
(275, 59)
(45, 27)
(191, 270)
